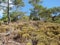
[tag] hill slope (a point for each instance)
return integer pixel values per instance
(30, 33)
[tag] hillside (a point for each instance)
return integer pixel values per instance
(30, 33)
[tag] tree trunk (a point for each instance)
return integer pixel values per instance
(8, 15)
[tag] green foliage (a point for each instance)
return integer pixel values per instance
(35, 10)
(25, 18)
(42, 12)
(16, 15)
(18, 3)
(4, 18)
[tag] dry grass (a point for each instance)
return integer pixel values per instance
(44, 33)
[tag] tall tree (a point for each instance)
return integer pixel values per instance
(9, 4)
(36, 8)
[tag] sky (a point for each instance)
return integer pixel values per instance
(46, 3)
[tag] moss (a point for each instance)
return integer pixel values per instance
(29, 43)
(41, 43)
(53, 43)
